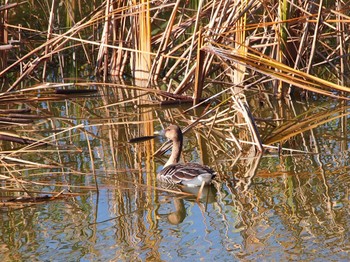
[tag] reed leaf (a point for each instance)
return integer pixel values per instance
(274, 69)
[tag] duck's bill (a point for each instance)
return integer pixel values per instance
(141, 139)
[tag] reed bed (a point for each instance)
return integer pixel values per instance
(215, 57)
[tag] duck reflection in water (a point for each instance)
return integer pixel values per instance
(179, 214)
(207, 195)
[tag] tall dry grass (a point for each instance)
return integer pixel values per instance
(213, 53)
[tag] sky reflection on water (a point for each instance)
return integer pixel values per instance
(294, 207)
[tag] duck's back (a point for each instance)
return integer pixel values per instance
(190, 174)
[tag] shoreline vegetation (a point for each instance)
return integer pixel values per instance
(222, 60)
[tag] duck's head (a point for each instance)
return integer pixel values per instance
(173, 132)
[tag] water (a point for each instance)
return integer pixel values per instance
(262, 208)
(292, 206)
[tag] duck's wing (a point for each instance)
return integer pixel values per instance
(182, 173)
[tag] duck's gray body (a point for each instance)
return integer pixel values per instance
(188, 174)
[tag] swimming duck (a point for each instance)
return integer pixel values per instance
(188, 174)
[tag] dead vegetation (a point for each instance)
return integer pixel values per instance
(217, 55)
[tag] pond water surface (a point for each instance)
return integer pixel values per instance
(270, 207)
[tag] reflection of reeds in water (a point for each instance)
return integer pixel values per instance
(246, 193)
(110, 124)
(187, 48)
(219, 42)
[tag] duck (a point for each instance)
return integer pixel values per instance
(187, 174)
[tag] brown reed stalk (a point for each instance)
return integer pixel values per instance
(49, 33)
(199, 74)
(268, 67)
(165, 39)
(102, 56)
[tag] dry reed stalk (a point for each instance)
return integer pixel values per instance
(239, 45)
(57, 42)
(195, 34)
(142, 41)
(4, 35)
(315, 37)
(225, 18)
(49, 33)
(176, 45)
(282, 49)
(158, 60)
(199, 74)
(102, 56)
(118, 24)
(33, 64)
(344, 68)
(268, 66)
